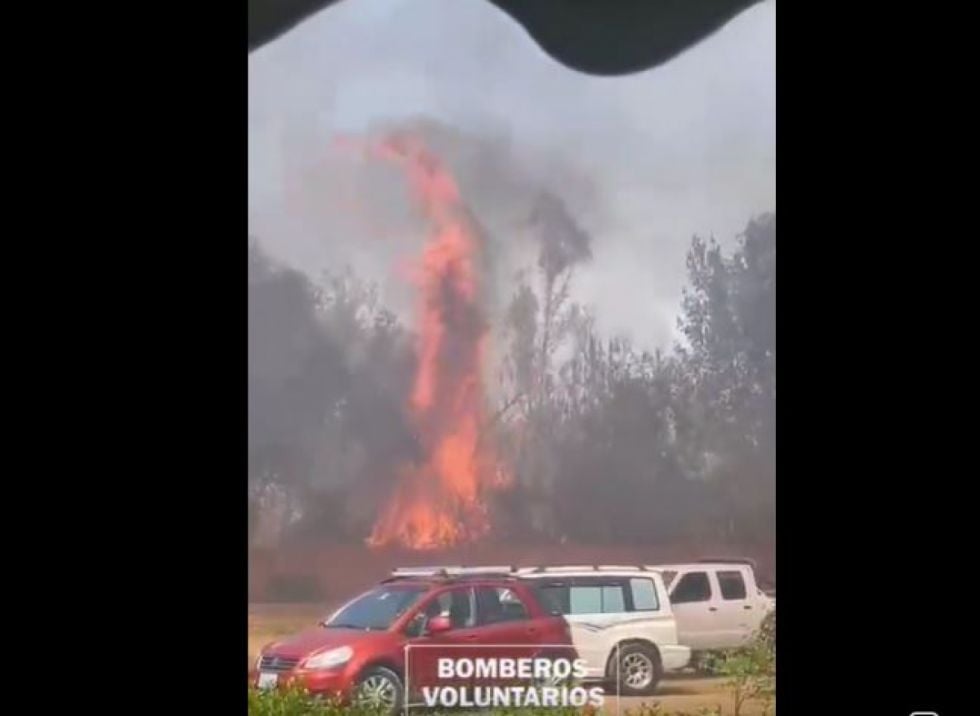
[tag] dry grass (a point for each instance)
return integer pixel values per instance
(268, 622)
(687, 693)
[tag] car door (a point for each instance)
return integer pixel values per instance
(502, 615)
(505, 628)
(425, 649)
(736, 613)
(695, 606)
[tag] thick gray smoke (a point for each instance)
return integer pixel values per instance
(563, 242)
(328, 369)
(369, 222)
(688, 148)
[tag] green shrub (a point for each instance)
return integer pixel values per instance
(297, 703)
(750, 670)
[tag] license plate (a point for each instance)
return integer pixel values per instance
(268, 681)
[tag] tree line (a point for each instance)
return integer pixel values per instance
(605, 442)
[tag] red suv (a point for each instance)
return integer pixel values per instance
(363, 650)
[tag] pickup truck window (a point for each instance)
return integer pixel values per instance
(644, 595)
(692, 587)
(732, 585)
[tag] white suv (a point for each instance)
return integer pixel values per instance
(620, 620)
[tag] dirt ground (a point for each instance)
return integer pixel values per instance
(681, 692)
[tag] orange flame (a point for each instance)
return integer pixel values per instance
(440, 501)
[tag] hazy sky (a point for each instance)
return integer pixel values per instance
(685, 148)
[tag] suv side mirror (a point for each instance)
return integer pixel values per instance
(439, 625)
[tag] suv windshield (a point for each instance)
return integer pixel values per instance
(376, 610)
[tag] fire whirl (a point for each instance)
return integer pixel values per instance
(440, 500)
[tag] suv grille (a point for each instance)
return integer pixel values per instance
(277, 663)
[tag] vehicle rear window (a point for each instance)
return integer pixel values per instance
(644, 595)
(692, 587)
(498, 604)
(732, 585)
(554, 598)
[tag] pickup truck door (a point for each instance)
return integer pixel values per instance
(738, 610)
(695, 603)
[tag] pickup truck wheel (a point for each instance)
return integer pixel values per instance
(380, 689)
(638, 670)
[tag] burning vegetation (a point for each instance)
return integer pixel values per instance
(362, 428)
(441, 500)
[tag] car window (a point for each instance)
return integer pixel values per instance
(375, 610)
(644, 595)
(613, 599)
(498, 604)
(457, 604)
(583, 598)
(732, 585)
(554, 598)
(692, 587)
(461, 607)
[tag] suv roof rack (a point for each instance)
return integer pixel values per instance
(451, 572)
(542, 569)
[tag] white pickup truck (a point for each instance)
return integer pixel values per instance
(717, 604)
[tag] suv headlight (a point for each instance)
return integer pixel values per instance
(329, 659)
